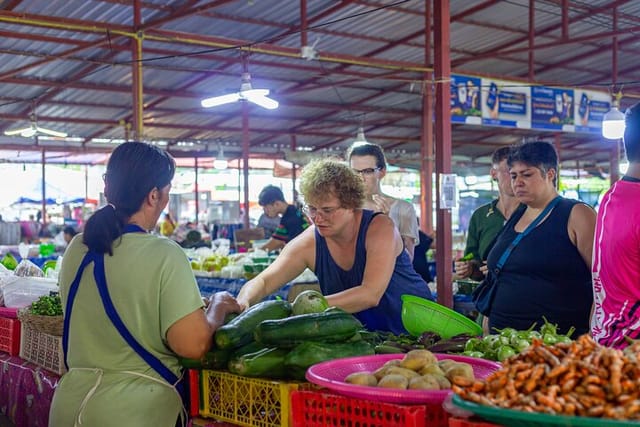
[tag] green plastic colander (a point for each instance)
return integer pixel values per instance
(421, 315)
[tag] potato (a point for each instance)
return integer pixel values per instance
(362, 378)
(392, 362)
(446, 363)
(432, 369)
(407, 373)
(425, 382)
(393, 381)
(460, 369)
(416, 359)
(444, 383)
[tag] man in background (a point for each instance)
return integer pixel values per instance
(487, 221)
(292, 221)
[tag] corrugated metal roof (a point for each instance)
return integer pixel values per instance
(372, 54)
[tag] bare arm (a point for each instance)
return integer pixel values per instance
(192, 335)
(581, 228)
(383, 245)
(410, 245)
(297, 255)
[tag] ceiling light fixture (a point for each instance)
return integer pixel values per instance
(220, 163)
(360, 138)
(246, 93)
(613, 121)
(33, 129)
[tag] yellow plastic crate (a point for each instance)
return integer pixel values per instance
(254, 402)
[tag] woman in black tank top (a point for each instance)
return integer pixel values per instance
(548, 273)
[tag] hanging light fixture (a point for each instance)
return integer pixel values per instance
(33, 129)
(220, 163)
(613, 121)
(360, 139)
(246, 93)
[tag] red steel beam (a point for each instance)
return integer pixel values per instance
(442, 72)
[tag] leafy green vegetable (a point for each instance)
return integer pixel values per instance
(47, 305)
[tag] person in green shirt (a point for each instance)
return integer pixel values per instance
(487, 221)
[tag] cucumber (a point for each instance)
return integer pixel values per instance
(266, 363)
(213, 359)
(239, 331)
(329, 326)
(304, 355)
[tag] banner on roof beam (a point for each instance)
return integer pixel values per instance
(552, 108)
(591, 108)
(506, 104)
(465, 100)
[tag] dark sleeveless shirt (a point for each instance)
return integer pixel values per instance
(544, 276)
(386, 316)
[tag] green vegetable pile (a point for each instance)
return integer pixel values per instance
(47, 305)
(509, 342)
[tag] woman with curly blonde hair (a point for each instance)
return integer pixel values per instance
(357, 255)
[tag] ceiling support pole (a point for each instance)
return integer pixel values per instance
(442, 67)
(196, 188)
(614, 156)
(294, 144)
(426, 139)
(44, 190)
(303, 22)
(565, 19)
(245, 161)
(532, 38)
(136, 75)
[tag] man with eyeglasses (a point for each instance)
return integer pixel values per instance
(368, 160)
(292, 222)
(356, 254)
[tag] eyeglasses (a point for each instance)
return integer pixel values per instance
(367, 171)
(325, 213)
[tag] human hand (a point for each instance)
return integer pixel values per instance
(220, 304)
(463, 269)
(484, 269)
(381, 204)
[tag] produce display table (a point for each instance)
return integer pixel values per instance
(211, 285)
(26, 391)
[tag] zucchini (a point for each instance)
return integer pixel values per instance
(213, 359)
(329, 326)
(301, 357)
(239, 331)
(267, 362)
(252, 347)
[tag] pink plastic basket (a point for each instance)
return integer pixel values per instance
(331, 374)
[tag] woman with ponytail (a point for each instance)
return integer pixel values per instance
(131, 304)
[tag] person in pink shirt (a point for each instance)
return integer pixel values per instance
(616, 250)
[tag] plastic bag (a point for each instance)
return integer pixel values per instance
(28, 269)
(20, 292)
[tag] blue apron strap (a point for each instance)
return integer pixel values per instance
(100, 278)
(73, 290)
(101, 281)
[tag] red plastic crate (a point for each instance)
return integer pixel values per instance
(469, 422)
(193, 381)
(318, 409)
(10, 336)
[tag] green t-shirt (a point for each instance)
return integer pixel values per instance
(152, 286)
(484, 225)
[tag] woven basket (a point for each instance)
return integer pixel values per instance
(52, 325)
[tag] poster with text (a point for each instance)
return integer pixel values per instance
(592, 106)
(505, 103)
(465, 100)
(552, 108)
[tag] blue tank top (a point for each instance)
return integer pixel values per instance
(544, 276)
(386, 316)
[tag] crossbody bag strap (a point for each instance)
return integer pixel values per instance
(519, 237)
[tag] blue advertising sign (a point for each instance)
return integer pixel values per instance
(505, 104)
(465, 99)
(593, 106)
(552, 108)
